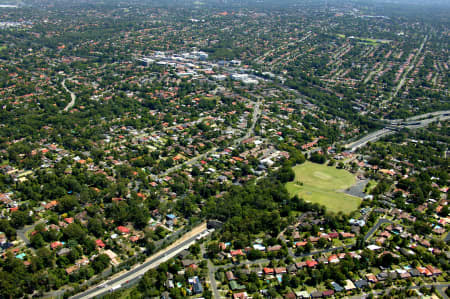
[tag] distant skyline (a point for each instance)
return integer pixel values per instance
(428, 3)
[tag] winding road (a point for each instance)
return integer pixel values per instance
(73, 97)
(23, 232)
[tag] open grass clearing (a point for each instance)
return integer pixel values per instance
(371, 41)
(323, 184)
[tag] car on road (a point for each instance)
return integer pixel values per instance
(114, 288)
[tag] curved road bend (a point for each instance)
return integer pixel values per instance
(23, 232)
(73, 97)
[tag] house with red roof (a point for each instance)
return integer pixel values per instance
(134, 238)
(371, 278)
(433, 270)
(123, 229)
(100, 243)
(425, 243)
(424, 271)
(328, 293)
(311, 263)
(333, 235)
(55, 245)
(72, 269)
(51, 204)
(69, 220)
(274, 248)
(242, 295)
(268, 271)
(313, 239)
(280, 270)
(333, 259)
(301, 244)
(300, 265)
(222, 246)
(347, 235)
(193, 267)
(230, 275)
(290, 295)
(236, 252)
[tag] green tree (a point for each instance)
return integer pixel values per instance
(20, 218)
(37, 241)
(100, 263)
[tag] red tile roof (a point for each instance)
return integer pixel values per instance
(100, 243)
(55, 244)
(123, 229)
(268, 271)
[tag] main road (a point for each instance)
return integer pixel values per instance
(419, 117)
(130, 277)
(415, 122)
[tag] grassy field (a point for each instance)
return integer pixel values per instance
(322, 184)
(370, 41)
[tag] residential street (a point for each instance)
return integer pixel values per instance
(23, 232)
